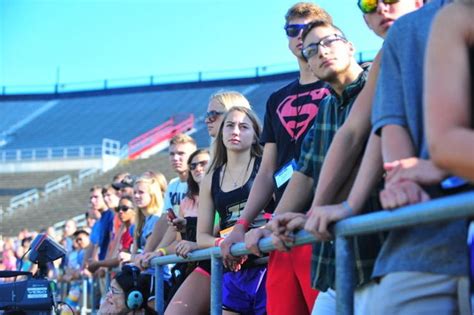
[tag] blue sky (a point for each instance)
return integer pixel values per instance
(93, 40)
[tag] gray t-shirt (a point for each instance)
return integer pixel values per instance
(434, 248)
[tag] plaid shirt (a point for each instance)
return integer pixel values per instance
(333, 111)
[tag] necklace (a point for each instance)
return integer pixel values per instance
(240, 178)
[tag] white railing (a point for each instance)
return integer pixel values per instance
(58, 184)
(51, 153)
(24, 199)
(86, 174)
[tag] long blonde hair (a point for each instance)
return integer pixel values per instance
(154, 183)
(220, 153)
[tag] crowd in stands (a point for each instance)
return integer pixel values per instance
(342, 139)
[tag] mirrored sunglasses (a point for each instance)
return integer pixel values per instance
(370, 6)
(293, 30)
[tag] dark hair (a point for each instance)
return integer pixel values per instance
(125, 280)
(319, 23)
(193, 187)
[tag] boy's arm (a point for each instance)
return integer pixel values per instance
(348, 142)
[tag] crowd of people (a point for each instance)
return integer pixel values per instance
(340, 140)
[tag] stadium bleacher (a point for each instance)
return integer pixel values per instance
(87, 118)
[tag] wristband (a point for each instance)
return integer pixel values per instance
(348, 207)
(218, 241)
(244, 222)
(163, 251)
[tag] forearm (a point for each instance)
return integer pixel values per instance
(341, 159)
(396, 143)
(168, 238)
(261, 193)
(157, 235)
(369, 175)
(206, 240)
(453, 152)
(297, 195)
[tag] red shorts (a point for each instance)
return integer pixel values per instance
(289, 282)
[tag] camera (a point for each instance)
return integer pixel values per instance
(35, 294)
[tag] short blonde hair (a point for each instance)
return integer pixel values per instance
(181, 138)
(307, 10)
(230, 99)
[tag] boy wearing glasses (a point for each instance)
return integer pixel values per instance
(290, 113)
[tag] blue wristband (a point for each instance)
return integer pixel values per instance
(346, 206)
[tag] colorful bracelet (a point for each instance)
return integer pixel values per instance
(218, 241)
(244, 222)
(163, 251)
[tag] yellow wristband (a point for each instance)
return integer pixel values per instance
(163, 251)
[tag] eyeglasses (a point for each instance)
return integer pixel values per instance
(370, 6)
(212, 115)
(293, 30)
(79, 239)
(193, 166)
(115, 291)
(124, 208)
(327, 42)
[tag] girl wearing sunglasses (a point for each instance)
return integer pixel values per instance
(123, 239)
(219, 104)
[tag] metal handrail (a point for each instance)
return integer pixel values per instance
(152, 80)
(448, 208)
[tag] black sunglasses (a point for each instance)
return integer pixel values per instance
(193, 166)
(212, 115)
(293, 30)
(124, 208)
(370, 6)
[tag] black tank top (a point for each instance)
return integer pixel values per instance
(230, 204)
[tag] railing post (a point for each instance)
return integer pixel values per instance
(344, 276)
(216, 285)
(151, 80)
(159, 290)
(84, 296)
(200, 76)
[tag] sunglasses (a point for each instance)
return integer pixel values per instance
(370, 6)
(124, 208)
(327, 42)
(212, 115)
(193, 166)
(293, 30)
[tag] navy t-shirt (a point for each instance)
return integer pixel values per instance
(106, 222)
(290, 113)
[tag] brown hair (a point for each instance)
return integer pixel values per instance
(220, 156)
(307, 10)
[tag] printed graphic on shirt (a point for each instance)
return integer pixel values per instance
(297, 111)
(176, 197)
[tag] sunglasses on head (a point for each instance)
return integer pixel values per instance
(123, 208)
(327, 42)
(194, 165)
(293, 30)
(370, 6)
(212, 115)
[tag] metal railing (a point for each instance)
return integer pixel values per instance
(24, 199)
(51, 153)
(86, 174)
(442, 209)
(152, 80)
(57, 185)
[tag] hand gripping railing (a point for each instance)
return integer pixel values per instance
(442, 209)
